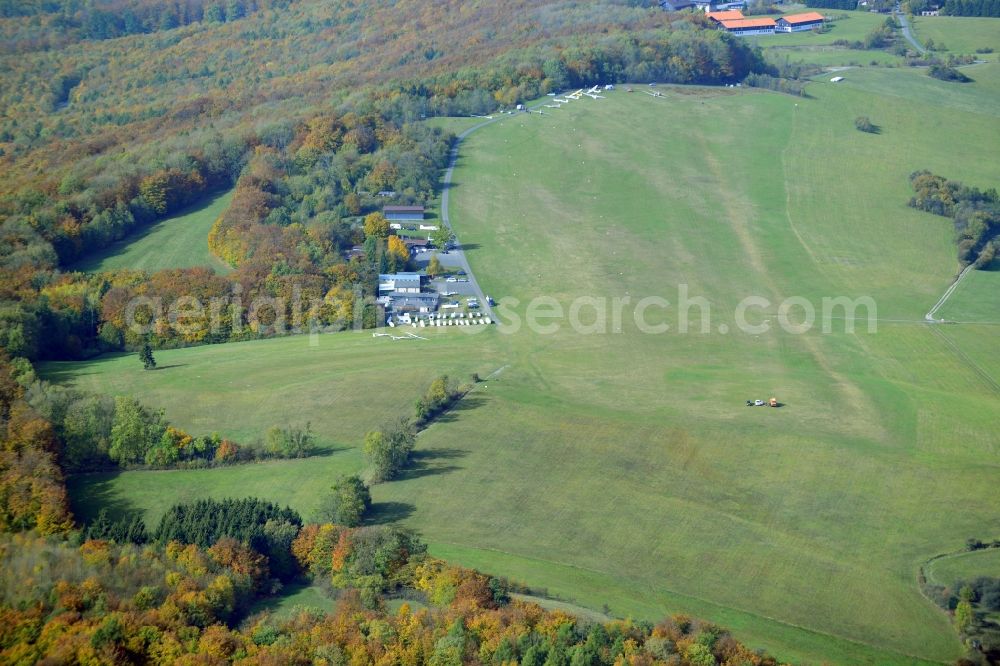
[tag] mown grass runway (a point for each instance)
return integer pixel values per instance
(179, 241)
(623, 468)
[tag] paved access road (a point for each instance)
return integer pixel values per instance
(456, 257)
(905, 25)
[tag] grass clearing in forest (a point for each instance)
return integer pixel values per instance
(178, 241)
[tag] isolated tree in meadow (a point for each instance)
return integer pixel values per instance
(291, 442)
(434, 266)
(388, 450)
(146, 355)
(379, 457)
(347, 502)
(864, 124)
(376, 226)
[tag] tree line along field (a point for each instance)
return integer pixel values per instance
(337, 386)
(624, 469)
(964, 566)
(179, 241)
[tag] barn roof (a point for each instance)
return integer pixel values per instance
(725, 16)
(807, 17)
(748, 23)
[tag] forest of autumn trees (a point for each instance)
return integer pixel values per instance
(116, 113)
(102, 602)
(100, 137)
(117, 593)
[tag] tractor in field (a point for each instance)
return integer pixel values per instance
(773, 402)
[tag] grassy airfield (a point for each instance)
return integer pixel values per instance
(623, 468)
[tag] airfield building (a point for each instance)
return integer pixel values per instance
(422, 303)
(399, 283)
(407, 214)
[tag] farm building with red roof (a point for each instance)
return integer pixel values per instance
(748, 26)
(799, 22)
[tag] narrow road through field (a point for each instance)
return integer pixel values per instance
(947, 294)
(905, 25)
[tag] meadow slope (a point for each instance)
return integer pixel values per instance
(623, 468)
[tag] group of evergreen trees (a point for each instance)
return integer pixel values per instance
(261, 525)
(971, 8)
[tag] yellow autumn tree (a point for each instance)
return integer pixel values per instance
(397, 249)
(376, 225)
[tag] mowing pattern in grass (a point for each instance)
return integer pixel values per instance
(653, 472)
(180, 241)
(623, 468)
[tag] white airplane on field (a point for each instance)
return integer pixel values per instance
(561, 101)
(594, 89)
(591, 96)
(653, 94)
(553, 106)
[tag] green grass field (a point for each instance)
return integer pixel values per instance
(960, 34)
(344, 385)
(854, 26)
(623, 468)
(964, 567)
(180, 241)
(818, 49)
(976, 299)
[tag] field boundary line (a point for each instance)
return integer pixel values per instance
(792, 625)
(947, 294)
(944, 556)
(965, 358)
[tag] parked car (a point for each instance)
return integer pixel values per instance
(451, 279)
